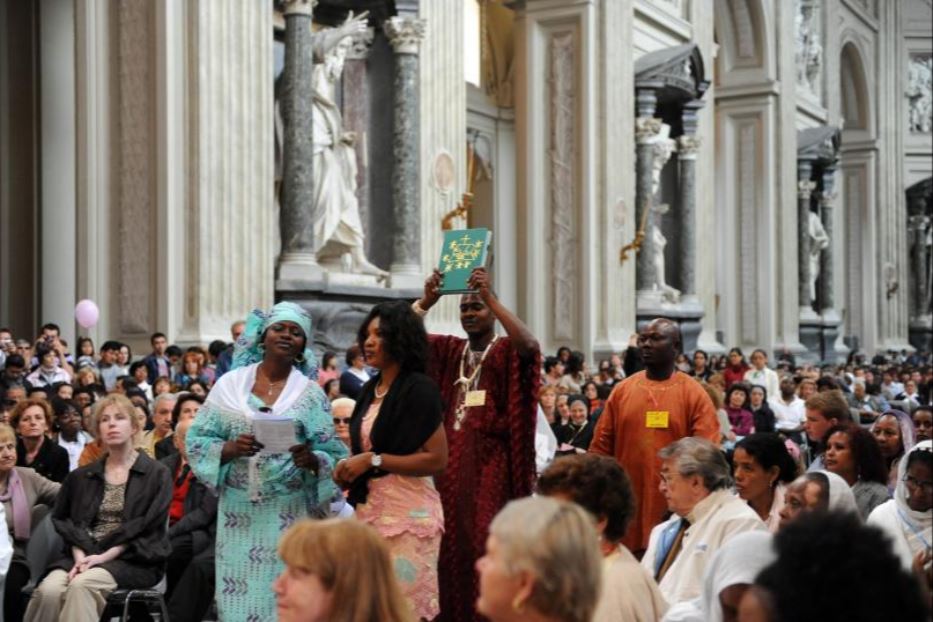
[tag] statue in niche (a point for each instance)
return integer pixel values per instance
(338, 230)
(663, 149)
(920, 94)
(818, 242)
(809, 52)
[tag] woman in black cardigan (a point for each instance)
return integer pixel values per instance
(32, 420)
(398, 442)
(112, 515)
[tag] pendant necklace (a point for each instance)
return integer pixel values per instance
(467, 383)
(271, 385)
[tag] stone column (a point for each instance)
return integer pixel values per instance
(356, 118)
(687, 146)
(827, 198)
(920, 277)
(646, 131)
(804, 191)
(298, 260)
(405, 35)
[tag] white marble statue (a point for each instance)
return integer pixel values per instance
(809, 51)
(818, 241)
(920, 94)
(664, 147)
(338, 230)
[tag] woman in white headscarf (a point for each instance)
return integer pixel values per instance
(817, 491)
(732, 571)
(907, 518)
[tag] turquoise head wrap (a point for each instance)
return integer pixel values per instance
(248, 349)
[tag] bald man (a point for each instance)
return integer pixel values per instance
(646, 412)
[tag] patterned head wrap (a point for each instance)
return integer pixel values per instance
(248, 349)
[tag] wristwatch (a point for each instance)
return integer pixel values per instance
(375, 461)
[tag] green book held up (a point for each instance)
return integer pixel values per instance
(462, 251)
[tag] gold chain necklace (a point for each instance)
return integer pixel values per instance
(269, 384)
(468, 382)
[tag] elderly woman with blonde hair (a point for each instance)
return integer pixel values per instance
(542, 563)
(337, 571)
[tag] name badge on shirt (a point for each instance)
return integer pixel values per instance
(657, 419)
(475, 398)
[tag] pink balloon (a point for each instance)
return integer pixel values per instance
(87, 313)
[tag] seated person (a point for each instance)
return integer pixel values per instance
(192, 522)
(576, 436)
(21, 490)
(186, 407)
(599, 485)
(696, 483)
(32, 420)
(112, 516)
(816, 491)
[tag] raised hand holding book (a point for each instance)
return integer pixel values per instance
(462, 251)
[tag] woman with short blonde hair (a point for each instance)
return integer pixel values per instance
(338, 571)
(542, 563)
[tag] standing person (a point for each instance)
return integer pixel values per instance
(489, 385)
(157, 363)
(261, 495)
(647, 412)
(398, 442)
(355, 376)
(761, 374)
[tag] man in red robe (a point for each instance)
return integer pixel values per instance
(489, 385)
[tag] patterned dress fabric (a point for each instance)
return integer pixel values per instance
(260, 497)
(407, 512)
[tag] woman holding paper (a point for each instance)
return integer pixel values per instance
(270, 395)
(398, 441)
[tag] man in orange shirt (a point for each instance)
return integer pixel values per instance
(646, 412)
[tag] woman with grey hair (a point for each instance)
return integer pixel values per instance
(542, 563)
(696, 484)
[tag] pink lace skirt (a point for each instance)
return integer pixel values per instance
(407, 512)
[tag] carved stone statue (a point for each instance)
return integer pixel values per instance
(338, 231)
(664, 147)
(920, 94)
(818, 241)
(809, 51)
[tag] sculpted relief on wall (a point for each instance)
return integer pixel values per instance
(920, 94)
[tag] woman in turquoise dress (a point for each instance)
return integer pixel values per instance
(263, 491)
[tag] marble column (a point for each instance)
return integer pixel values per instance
(646, 131)
(298, 260)
(687, 146)
(405, 35)
(805, 189)
(920, 277)
(827, 280)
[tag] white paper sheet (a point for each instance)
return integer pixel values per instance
(276, 434)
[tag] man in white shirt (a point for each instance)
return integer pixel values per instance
(696, 483)
(789, 411)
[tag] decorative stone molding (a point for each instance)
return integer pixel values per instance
(687, 146)
(805, 189)
(405, 34)
(647, 129)
(298, 7)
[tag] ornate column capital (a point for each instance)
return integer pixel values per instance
(298, 7)
(805, 188)
(405, 34)
(361, 45)
(646, 129)
(688, 145)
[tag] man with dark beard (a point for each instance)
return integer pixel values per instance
(489, 385)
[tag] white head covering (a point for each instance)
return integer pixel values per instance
(739, 560)
(922, 522)
(841, 498)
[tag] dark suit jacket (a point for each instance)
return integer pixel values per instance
(143, 531)
(51, 462)
(165, 448)
(200, 517)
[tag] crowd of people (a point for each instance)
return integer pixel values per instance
(437, 477)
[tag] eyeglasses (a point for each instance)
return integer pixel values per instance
(916, 483)
(341, 420)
